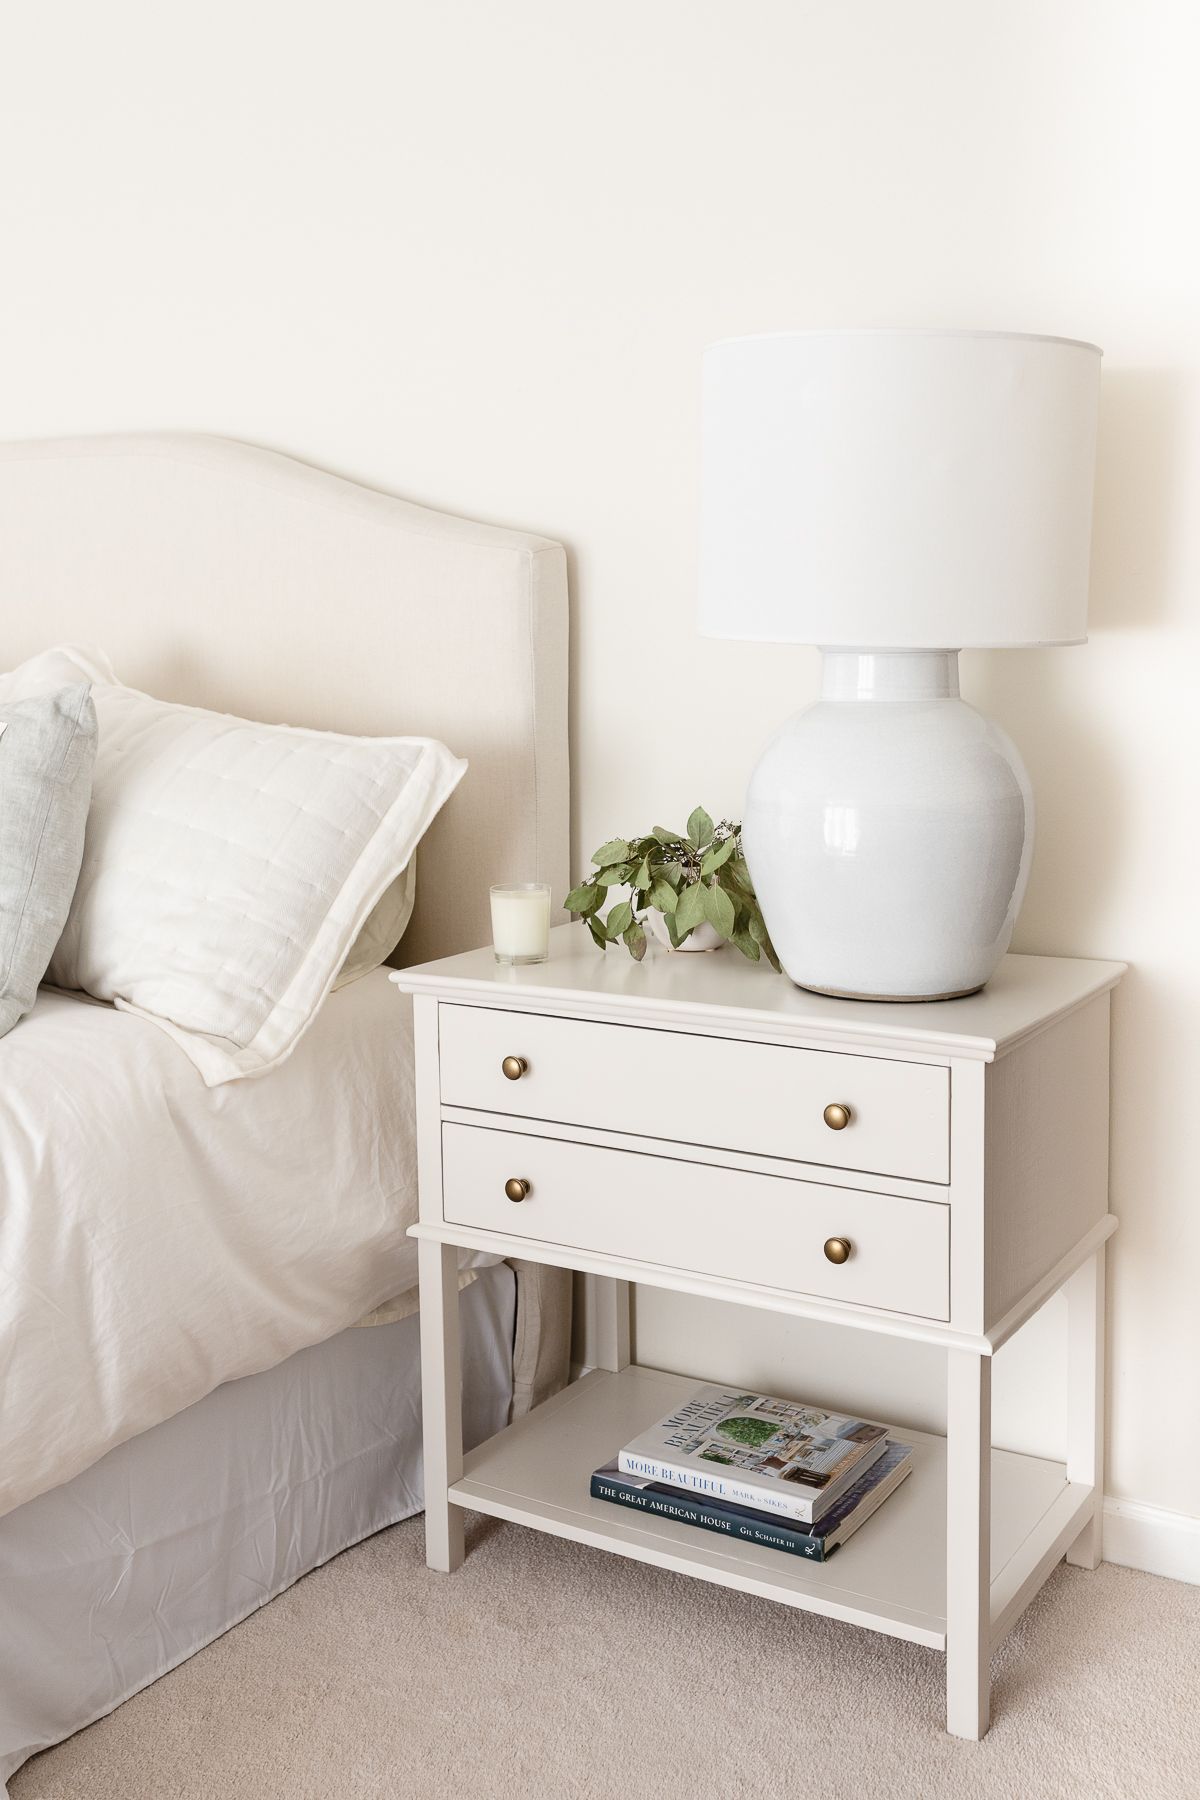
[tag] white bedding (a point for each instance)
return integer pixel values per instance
(158, 1237)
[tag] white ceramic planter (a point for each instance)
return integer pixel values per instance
(701, 937)
(889, 832)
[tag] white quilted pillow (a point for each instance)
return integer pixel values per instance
(228, 867)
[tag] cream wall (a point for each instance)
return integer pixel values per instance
(471, 253)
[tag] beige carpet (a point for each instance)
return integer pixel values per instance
(544, 1671)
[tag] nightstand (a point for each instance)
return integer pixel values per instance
(698, 1123)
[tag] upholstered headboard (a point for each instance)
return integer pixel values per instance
(234, 578)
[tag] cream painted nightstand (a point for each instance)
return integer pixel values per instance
(931, 1172)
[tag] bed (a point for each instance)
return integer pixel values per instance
(240, 1250)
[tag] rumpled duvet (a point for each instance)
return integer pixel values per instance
(159, 1237)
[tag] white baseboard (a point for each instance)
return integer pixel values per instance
(1152, 1539)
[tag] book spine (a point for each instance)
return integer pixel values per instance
(719, 1487)
(689, 1510)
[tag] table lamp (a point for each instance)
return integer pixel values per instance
(894, 497)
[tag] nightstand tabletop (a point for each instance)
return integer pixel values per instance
(1025, 994)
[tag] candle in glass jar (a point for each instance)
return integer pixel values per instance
(521, 922)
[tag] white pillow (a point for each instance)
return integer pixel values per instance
(385, 926)
(228, 867)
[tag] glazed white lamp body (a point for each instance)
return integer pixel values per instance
(894, 497)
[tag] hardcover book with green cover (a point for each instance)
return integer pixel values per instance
(779, 1456)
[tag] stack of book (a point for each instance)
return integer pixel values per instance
(768, 1471)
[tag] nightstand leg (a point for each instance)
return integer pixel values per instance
(441, 1401)
(1085, 1400)
(968, 1543)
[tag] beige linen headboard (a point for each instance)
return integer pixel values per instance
(234, 578)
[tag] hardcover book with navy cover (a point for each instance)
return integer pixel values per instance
(815, 1542)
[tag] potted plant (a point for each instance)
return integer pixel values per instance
(693, 890)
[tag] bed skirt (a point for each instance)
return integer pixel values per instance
(121, 1574)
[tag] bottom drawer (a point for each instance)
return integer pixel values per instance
(713, 1221)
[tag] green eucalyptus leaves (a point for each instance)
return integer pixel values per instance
(690, 879)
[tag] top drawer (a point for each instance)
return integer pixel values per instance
(766, 1099)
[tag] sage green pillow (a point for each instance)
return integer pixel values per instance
(47, 751)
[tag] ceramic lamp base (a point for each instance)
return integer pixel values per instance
(891, 999)
(889, 832)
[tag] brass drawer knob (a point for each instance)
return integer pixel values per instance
(838, 1249)
(836, 1116)
(513, 1067)
(516, 1189)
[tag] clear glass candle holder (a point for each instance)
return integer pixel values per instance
(520, 922)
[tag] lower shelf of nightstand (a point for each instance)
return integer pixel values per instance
(890, 1577)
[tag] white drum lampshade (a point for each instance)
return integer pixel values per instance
(895, 496)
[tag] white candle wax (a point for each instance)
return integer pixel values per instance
(521, 922)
